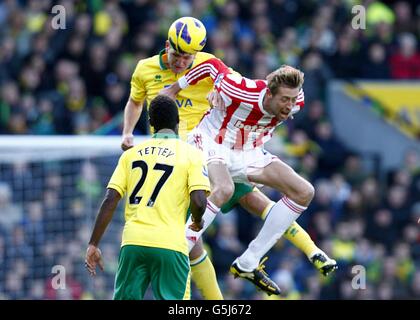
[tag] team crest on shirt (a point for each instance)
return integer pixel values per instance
(158, 78)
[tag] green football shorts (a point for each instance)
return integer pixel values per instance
(241, 189)
(168, 272)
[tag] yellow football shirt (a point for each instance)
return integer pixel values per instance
(151, 76)
(157, 177)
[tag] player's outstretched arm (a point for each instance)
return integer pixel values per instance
(132, 112)
(198, 205)
(209, 68)
(106, 211)
(171, 91)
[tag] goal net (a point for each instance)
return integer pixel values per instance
(50, 191)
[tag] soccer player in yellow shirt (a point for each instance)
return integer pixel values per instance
(186, 39)
(161, 177)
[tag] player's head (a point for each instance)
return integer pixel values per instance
(186, 37)
(284, 85)
(163, 113)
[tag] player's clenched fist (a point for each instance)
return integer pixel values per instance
(196, 225)
(127, 141)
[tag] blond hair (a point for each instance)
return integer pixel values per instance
(285, 76)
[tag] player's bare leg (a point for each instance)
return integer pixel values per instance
(282, 177)
(222, 186)
(259, 204)
(298, 193)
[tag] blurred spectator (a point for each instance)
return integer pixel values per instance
(316, 75)
(405, 63)
(346, 62)
(380, 228)
(227, 246)
(353, 170)
(288, 48)
(333, 152)
(404, 21)
(397, 202)
(376, 66)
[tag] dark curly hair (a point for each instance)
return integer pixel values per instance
(163, 113)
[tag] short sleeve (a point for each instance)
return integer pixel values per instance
(118, 179)
(197, 172)
(138, 91)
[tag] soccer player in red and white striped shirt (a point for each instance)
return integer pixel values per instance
(247, 123)
(232, 138)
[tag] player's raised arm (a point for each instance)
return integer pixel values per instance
(132, 113)
(134, 106)
(210, 68)
(229, 84)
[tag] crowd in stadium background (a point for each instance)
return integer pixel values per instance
(74, 80)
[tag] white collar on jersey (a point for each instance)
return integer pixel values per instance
(260, 102)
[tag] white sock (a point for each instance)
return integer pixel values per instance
(211, 211)
(279, 218)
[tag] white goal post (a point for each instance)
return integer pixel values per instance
(31, 147)
(50, 190)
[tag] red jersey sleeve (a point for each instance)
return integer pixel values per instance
(210, 68)
(231, 83)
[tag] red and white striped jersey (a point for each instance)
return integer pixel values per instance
(245, 124)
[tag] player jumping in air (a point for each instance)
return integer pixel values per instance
(232, 141)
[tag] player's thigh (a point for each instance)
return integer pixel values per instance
(132, 277)
(280, 176)
(216, 156)
(219, 175)
(170, 274)
(255, 202)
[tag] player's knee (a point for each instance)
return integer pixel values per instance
(222, 193)
(306, 193)
(302, 195)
